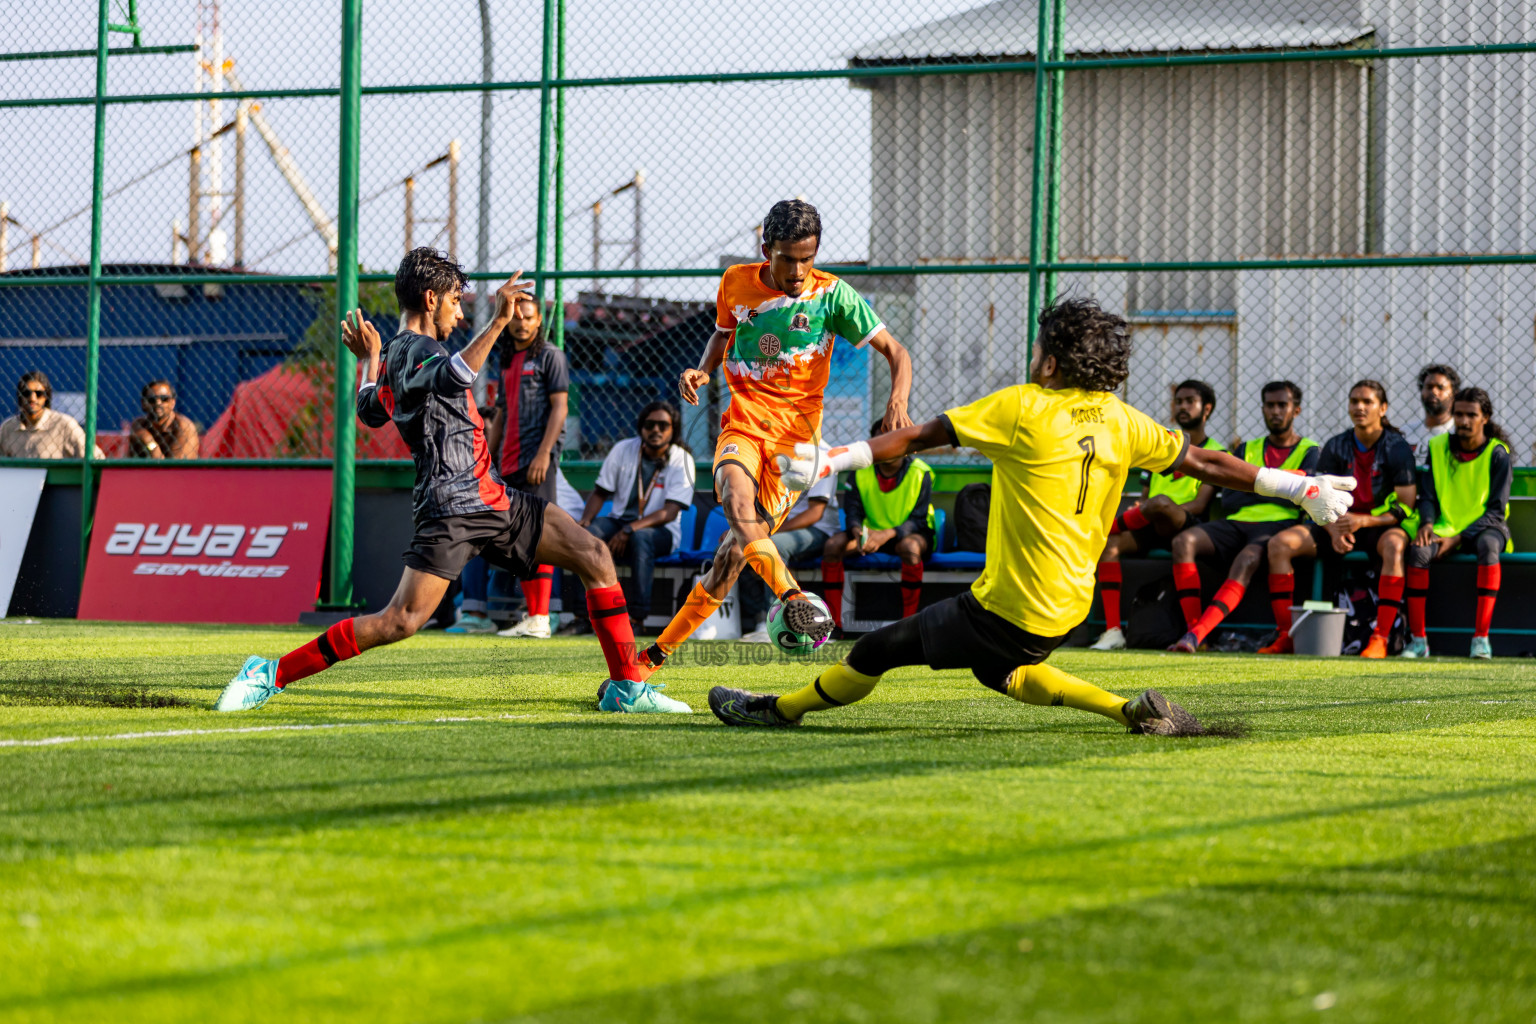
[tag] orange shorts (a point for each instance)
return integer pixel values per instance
(755, 455)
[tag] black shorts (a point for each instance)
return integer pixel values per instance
(519, 482)
(959, 633)
(1367, 540)
(508, 539)
(1229, 537)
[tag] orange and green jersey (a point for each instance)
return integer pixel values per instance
(781, 350)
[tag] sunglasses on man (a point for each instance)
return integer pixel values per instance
(656, 425)
(31, 392)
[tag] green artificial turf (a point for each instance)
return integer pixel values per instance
(468, 839)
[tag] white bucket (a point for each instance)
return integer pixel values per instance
(725, 623)
(1319, 633)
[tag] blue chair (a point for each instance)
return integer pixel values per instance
(946, 557)
(715, 525)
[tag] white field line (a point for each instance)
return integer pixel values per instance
(53, 741)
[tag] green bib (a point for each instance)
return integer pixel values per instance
(1179, 487)
(885, 510)
(1271, 510)
(1462, 487)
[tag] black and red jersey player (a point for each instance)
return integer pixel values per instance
(460, 504)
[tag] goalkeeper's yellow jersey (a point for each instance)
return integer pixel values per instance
(1060, 460)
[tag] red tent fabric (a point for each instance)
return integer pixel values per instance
(282, 414)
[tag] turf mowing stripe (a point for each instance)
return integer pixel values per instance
(52, 741)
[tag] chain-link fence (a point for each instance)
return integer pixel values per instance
(1269, 189)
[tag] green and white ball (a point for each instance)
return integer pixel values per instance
(785, 638)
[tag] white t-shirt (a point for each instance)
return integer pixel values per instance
(675, 482)
(826, 489)
(1418, 435)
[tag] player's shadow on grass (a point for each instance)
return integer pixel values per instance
(1013, 971)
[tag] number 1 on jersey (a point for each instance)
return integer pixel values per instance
(1087, 445)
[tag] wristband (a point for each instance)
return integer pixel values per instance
(1280, 483)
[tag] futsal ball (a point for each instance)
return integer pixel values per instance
(786, 638)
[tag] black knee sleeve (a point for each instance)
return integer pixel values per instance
(900, 643)
(1489, 544)
(1419, 557)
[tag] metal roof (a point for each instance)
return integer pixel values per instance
(1008, 29)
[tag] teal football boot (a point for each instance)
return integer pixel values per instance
(1418, 647)
(1481, 648)
(253, 687)
(636, 698)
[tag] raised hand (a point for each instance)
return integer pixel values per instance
(508, 294)
(360, 336)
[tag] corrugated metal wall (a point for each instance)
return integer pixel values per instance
(1457, 160)
(1159, 164)
(1325, 329)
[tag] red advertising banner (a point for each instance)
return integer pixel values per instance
(206, 545)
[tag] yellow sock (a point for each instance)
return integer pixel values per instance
(763, 556)
(699, 606)
(837, 686)
(1042, 684)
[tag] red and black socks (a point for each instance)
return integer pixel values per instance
(1488, 579)
(336, 644)
(536, 590)
(1418, 593)
(1389, 601)
(911, 588)
(1228, 597)
(1109, 591)
(1186, 582)
(832, 589)
(610, 622)
(1134, 518)
(1282, 594)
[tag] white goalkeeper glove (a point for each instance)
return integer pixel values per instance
(812, 463)
(1325, 498)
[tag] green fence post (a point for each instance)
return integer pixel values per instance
(546, 143)
(1053, 182)
(557, 330)
(344, 451)
(93, 292)
(1038, 174)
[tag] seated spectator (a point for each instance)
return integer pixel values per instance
(1375, 453)
(810, 523)
(1241, 539)
(1463, 505)
(650, 480)
(162, 432)
(887, 508)
(1170, 504)
(38, 431)
(1438, 385)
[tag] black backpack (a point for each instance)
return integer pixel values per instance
(1359, 603)
(971, 507)
(1155, 619)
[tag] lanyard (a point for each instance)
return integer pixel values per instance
(643, 496)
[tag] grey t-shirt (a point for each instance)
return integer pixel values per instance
(1418, 435)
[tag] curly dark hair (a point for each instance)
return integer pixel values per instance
(1485, 404)
(1440, 370)
(672, 414)
(1205, 391)
(1092, 347)
(426, 269)
(37, 377)
(791, 220)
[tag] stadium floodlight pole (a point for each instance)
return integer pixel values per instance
(546, 144)
(93, 290)
(344, 450)
(1053, 182)
(1039, 170)
(483, 220)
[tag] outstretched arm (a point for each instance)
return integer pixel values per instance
(1325, 498)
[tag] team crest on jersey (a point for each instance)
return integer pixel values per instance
(769, 345)
(729, 449)
(800, 322)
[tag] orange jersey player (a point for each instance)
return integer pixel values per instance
(775, 325)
